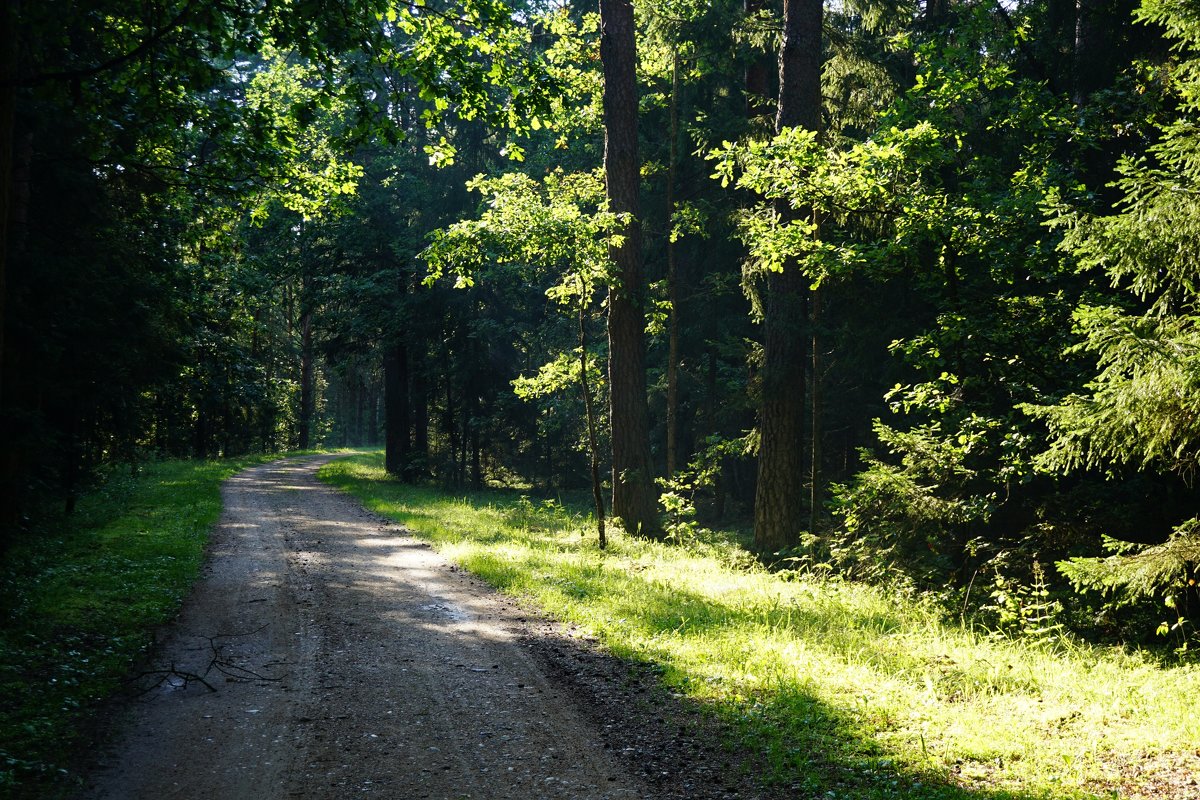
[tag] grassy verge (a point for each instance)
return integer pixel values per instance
(78, 601)
(846, 692)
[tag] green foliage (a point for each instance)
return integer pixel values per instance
(555, 230)
(556, 225)
(1140, 407)
(1026, 610)
(1144, 572)
(838, 687)
(855, 205)
(303, 118)
(905, 520)
(682, 492)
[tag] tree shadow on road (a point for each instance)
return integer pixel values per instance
(764, 739)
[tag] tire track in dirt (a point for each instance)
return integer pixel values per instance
(356, 662)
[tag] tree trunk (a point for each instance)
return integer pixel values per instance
(673, 283)
(420, 406)
(450, 418)
(306, 380)
(9, 14)
(359, 398)
(476, 456)
(757, 72)
(395, 414)
(817, 488)
(593, 449)
(464, 445)
(634, 497)
(373, 410)
(200, 432)
(779, 498)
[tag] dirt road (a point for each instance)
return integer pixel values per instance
(348, 659)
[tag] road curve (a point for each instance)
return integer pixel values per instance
(348, 660)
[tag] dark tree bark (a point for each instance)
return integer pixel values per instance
(9, 14)
(673, 282)
(396, 417)
(593, 449)
(757, 77)
(779, 500)
(359, 397)
(476, 456)
(1097, 56)
(306, 380)
(816, 474)
(200, 432)
(420, 406)
(10, 457)
(450, 426)
(373, 410)
(634, 498)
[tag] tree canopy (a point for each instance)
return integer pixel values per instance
(910, 288)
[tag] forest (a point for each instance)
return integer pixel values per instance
(891, 293)
(902, 293)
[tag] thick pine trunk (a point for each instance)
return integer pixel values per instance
(396, 417)
(779, 500)
(9, 12)
(757, 77)
(450, 425)
(420, 407)
(474, 424)
(634, 497)
(10, 458)
(200, 431)
(306, 381)
(373, 411)
(359, 398)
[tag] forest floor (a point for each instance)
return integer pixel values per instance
(326, 653)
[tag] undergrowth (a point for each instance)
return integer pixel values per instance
(79, 598)
(841, 689)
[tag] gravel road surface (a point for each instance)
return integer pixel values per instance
(341, 657)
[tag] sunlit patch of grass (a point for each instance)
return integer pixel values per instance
(844, 689)
(79, 597)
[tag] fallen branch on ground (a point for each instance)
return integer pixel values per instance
(231, 671)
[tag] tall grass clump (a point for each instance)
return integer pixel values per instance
(841, 689)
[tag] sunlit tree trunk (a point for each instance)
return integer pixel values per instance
(779, 499)
(593, 447)
(634, 497)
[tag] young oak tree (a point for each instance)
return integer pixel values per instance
(557, 226)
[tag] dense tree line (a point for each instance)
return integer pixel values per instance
(909, 285)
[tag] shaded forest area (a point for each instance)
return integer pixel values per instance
(911, 285)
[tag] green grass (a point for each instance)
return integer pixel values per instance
(844, 691)
(79, 598)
